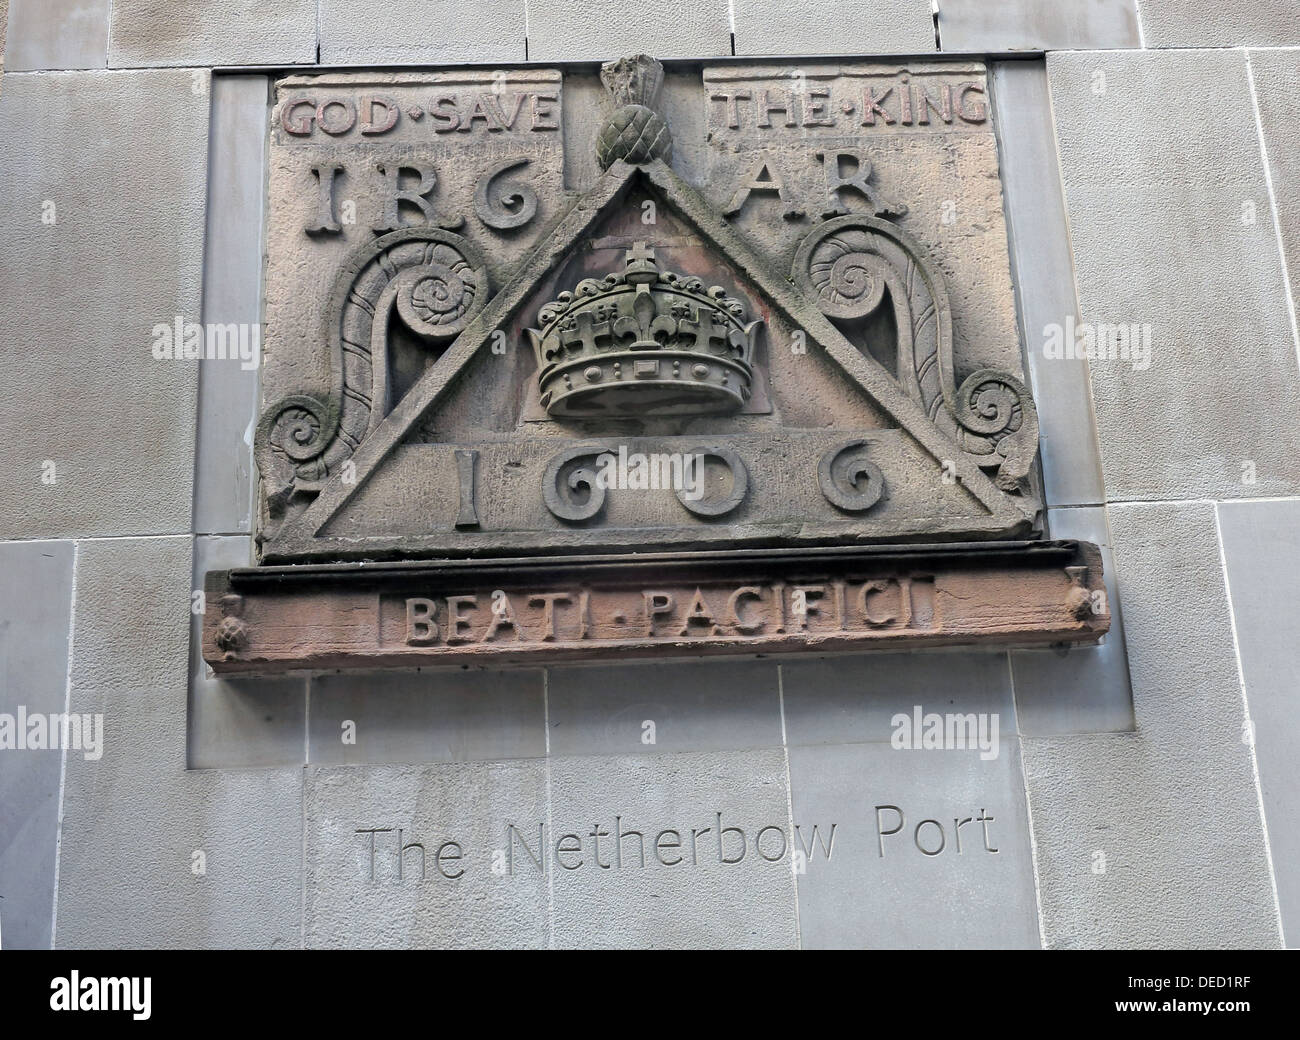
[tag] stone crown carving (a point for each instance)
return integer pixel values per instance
(644, 342)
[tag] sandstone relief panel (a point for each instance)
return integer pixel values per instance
(746, 373)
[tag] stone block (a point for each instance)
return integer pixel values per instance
(655, 708)
(56, 34)
(1174, 241)
(427, 716)
(445, 893)
(833, 27)
(151, 855)
(104, 245)
(914, 849)
(1204, 23)
(579, 30)
(1261, 547)
(359, 32)
(1040, 253)
(853, 699)
(687, 810)
(1275, 78)
(1153, 839)
(130, 875)
(35, 613)
(232, 294)
(212, 32)
(1029, 25)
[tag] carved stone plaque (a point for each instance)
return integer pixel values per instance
(722, 359)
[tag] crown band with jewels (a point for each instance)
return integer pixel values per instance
(644, 342)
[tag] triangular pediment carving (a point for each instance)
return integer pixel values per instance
(822, 402)
(950, 495)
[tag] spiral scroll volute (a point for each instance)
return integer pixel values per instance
(998, 419)
(436, 282)
(849, 266)
(846, 274)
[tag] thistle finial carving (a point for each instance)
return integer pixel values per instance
(635, 133)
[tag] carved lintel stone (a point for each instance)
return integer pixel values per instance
(558, 609)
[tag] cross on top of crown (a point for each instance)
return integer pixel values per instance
(640, 253)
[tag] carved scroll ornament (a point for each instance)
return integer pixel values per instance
(850, 266)
(435, 281)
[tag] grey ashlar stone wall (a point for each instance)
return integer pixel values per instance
(1145, 793)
